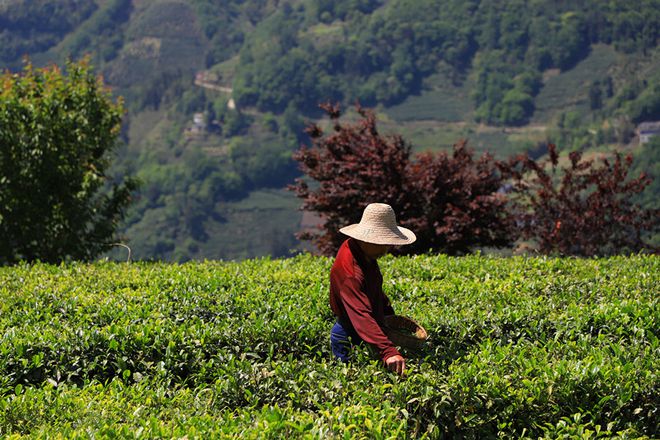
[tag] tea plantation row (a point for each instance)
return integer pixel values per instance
(519, 348)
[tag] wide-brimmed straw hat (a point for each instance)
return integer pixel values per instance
(378, 226)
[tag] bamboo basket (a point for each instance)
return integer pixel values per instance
(405, 332)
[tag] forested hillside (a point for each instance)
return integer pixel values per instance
(218, 92)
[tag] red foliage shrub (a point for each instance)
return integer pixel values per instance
(451, 202)
(457, 203)
(584, 209)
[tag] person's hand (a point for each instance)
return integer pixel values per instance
(396, 363)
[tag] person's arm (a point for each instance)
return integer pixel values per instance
(359, 310)
(394, 363)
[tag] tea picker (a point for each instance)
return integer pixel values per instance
(363, 311)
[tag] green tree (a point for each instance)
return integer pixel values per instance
(57, 131)
(595, 96)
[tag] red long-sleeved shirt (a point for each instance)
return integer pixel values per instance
(356, 296)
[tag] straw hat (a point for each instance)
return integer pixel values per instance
(378, 226)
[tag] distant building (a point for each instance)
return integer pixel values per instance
(206, 77)
(646, 130)
(198, 120)
(198, 126)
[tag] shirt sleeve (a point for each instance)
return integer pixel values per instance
(359, 310)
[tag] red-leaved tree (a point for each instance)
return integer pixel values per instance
(457, 202)
(581, 209)
(450, 201)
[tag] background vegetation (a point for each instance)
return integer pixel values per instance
(57, 133)
(508, 76)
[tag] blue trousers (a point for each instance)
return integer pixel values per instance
(341, 340)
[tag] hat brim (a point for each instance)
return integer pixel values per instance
(382, 236)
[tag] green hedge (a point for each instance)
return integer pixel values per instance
(519, 347)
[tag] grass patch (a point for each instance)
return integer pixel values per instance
(440, 105)
(570, 90)
(435, 136)
(141, 125)
(439, 100)
(226, 71)
(264, 223)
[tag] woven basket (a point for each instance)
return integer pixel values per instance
(404, 332)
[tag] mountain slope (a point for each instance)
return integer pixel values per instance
(218, 91)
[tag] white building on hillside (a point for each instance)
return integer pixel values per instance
(646, 130)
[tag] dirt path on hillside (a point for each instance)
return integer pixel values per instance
(211, 86)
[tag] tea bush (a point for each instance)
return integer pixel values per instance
(519, 347)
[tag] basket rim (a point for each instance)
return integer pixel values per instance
(420, 334)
